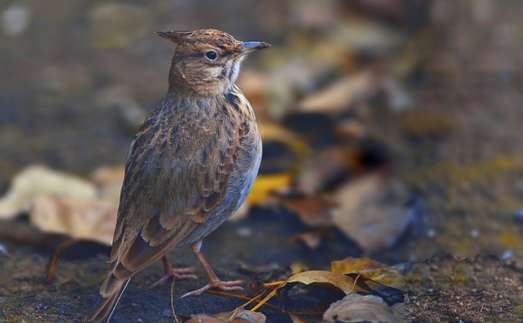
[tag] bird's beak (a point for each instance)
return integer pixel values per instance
(250, 46)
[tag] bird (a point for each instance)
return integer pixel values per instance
(190, 166)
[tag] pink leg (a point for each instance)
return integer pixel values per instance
(174, 273)
(214, 281)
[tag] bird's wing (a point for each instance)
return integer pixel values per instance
(175, 178)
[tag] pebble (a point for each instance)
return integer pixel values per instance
(431, 233)
(3, 250)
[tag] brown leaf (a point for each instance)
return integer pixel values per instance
(371, 210)
(109, 181)
(80, 218)
(371, 269)
(39, 180)
(321, 168)
(345, 283)
(340, 95)
(310, 239)
(312, 210)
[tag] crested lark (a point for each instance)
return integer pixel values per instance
(191, 165)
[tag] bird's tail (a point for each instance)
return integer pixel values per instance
(112, 290)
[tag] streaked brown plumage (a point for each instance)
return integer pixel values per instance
(191, 165)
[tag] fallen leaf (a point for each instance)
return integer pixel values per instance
(80, 218)
(273, 131)
(350, 129)
(39, 180)
(372, 211)
(313, 210)
(323, 168)
(109, 181)
(298, 267)
(359, 308)
(370, 269)
(264, 185)
(345, 283)
(340, 95)
(311, 239)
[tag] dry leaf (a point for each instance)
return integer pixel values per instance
(315, 211)
(324, 167)
(109, 181)
(341, 94)
(311, 239)
(38, 180)
(371, 210)
(273, 131)
(264, 185)
(80, 218)
(345, 283)
(359, 308)
(298, 267)
(369, 268)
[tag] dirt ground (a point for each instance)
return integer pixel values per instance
(461, 150)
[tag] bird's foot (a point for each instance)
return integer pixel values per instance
(217, 284)
(176, 274)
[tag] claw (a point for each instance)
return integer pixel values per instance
(222, 285)
(174, 273)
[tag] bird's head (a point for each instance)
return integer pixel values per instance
(206, 61)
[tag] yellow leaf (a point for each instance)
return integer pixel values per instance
(273, 131)
(370, 269)
(298, 267)
(345, 283)
(267, 184)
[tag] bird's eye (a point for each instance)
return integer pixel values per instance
(211, 55)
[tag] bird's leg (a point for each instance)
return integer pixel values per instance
(214, 281)
(174, 273)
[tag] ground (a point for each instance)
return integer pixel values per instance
(460, 150)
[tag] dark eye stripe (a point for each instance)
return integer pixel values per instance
(202, 54)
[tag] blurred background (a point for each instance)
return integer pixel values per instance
(391, 128)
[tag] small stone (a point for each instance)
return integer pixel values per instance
(358, 308)
(474, 233)
(431, 233)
